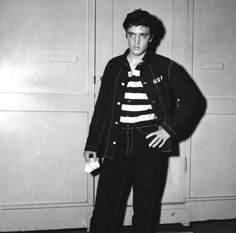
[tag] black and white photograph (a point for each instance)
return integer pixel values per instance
(118, 116)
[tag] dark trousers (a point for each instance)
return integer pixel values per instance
(138, 165)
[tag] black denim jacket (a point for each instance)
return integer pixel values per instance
(173, 94)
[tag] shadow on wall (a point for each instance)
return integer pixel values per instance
(158, 33)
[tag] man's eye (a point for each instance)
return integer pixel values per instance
(131, 34)
(143, 35)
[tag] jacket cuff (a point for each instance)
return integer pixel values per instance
(166, 127)
(90, 148)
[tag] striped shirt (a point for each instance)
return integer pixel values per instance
(136, 106)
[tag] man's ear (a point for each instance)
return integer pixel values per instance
(151, 39)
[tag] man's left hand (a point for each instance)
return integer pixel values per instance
(160, 138)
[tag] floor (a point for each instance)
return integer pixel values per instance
(226, 226)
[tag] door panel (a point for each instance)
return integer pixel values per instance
(42, 152)
(214, 47)
(44, 46)
(215, 162)
(213, 144)
(46, 102)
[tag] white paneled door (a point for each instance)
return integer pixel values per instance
(213, 169)
(46, 101)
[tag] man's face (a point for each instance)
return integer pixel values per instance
(138, 39)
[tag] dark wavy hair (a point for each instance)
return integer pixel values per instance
(138, 18)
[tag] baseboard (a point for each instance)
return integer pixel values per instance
(170, 214)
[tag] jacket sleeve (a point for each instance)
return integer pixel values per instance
(190, 103)
(98, 119)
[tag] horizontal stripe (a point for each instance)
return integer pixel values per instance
(135, 102)
(138, 96)
(135, 108)
(136, 113)
(135, 90)
(134, 84)
(134, 78)
(130, 120)
(134, 73)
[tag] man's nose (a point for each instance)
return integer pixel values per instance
(136, 40)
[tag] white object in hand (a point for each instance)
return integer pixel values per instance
(91, 166)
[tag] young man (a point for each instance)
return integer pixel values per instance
(134, 122)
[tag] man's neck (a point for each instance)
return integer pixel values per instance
(134, 60)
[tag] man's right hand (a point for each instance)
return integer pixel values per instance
(88, 155)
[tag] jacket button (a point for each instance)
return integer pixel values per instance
(122, 84)
(118, 103)
(114, 142)
(116, 123)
